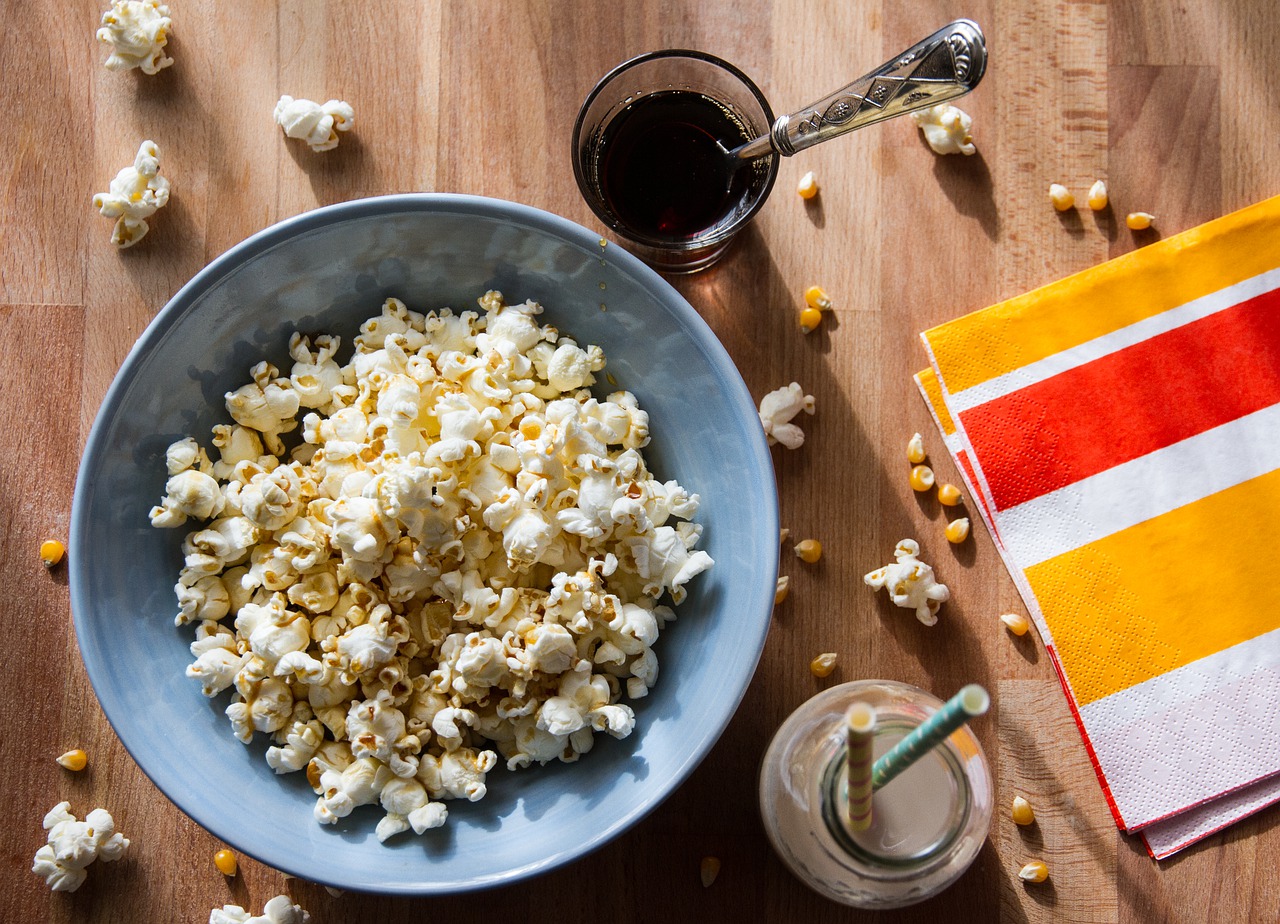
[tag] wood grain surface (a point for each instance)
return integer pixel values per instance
(1173, 104)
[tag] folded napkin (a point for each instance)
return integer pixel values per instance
(1119, 432)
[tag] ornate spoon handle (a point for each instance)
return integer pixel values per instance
(946, 65)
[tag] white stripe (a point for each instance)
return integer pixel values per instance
(1117, 340)
(1191, 734)
(1141, 489)
(1165, 838)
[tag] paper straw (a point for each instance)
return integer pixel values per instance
(860, 731)
(970, 701)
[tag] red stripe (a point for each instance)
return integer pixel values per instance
(1130, 403)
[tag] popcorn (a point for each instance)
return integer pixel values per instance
(910, 583)
(73, 845)
(136, 31)
(776, 410)
(460, 563)
(316, 124)
(134, 195)
(946, 129)
(279, 910)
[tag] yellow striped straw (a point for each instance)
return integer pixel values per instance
(860, 732)
(969, 702)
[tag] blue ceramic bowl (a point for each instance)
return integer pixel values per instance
(327, 270)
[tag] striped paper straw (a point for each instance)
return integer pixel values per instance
(860, 732)
(970, 701)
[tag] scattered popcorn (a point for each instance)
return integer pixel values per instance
(1098, 196)
(136, 31)
(1061, 197)
(921, 478)
(73, 760)
(135, 195)
(946, 129)
(807, 188)
(910, 583)
(1016, 623)
(51, 552)
(73, 845)
(784, 588)
(776, 410)
(460, 562)
(915, 449)
(1021, 812)
(808, 550)
(318, 125)
(708, 870)
(823, 665)
(957, 531)
(949, 495)
(1034, 871)
(279, 910)
(225, 861)
(1139, 221)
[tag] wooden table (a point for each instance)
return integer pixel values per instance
(1174, 106)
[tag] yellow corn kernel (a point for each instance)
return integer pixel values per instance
(1139, 221)
(807, 188)
(783, 534)
(816, 297)
(1021, 812)
(74, 760)
(949, 495)
(225, 860)
(708, 870)
(810, 318)
(823, 664)
(1034, 871)
(1061, 197)
(809, 550)
(1098, 196)
(915, 449)
(784, 588)
(921, 478)
(957, 530)
(1016, 623)
(51, 552)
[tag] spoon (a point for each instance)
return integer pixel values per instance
(943, 67)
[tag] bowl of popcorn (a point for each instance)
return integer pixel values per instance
(386, 526)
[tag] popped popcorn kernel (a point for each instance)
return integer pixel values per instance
(947, 129)
(1061, 197)
(807, 188)
(777, 410)
(708, 870)
(1021, 812)
(957, 531)
(225, 861)
(1139, 221)
(136, 32)
(1098, 198)
(824, 664)
(808, 550)
(1016, 623)
(921, 478)
(910, 583)
(74, 760)
(136, 194)
(51, 552)
(915, 449)
(73, 845)
(1034, 871)
(317, 124)
(279, 910)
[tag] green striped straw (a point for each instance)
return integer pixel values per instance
(969, 702)
(860, 732)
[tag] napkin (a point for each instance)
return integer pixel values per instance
(1119, 434)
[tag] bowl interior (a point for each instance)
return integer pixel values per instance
(326, 271)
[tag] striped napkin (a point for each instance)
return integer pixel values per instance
(1119, 432)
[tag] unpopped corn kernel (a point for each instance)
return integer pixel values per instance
(784, 588)
(708, 870)
(51, 552)
(957, 530)
(1034, 871)
(225, 861)
(823, 664)
(921, 478)
(807, 188)
(1139, 221)
(808, 550)
(1061, 197)
(1098, 196)
(949, 495)
(810, 318)
(915, 449)
(74, 760)
(816, 297)
(1015, 623)
(1021, 812)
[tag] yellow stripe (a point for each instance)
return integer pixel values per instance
(1166, 592)
(932, 389)
(1105, 298)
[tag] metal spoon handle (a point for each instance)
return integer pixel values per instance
(946, 65)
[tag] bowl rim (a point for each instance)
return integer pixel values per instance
(216, 271)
